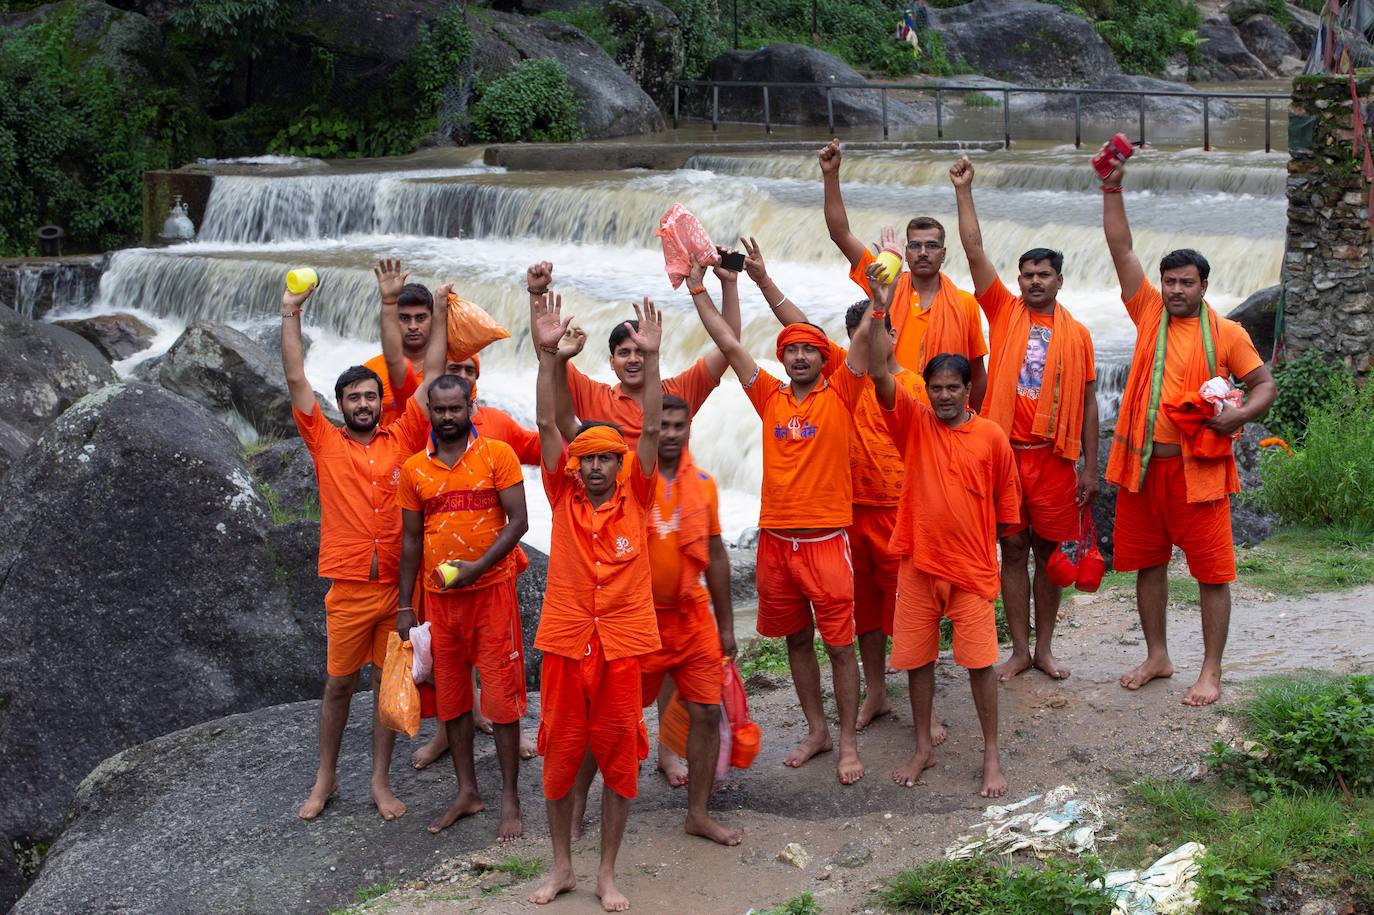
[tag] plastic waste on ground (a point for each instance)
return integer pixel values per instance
(1164, 888)
(1057, 821)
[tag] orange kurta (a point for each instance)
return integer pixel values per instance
(874, 463)
(685, 515)
(596, 400)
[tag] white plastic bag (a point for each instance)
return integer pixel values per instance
(422, 670)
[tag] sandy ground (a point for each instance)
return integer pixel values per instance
(1086, 731)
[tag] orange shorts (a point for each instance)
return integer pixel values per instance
(1049, 494)
(691, 653)
(589, 702)
(1150, 523)
(875, 567)
(921, 600)
(477, 629)
(796, 577)
(359, 615)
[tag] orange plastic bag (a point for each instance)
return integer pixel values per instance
(470, 329)
(746, 737)
(674, 724)
(398, 703)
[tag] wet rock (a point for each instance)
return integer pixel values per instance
(743, 586)
(1224, 55)
(44, 369)
(1024, 42)
(117, 336)
(794, 855)
(529, 589)
(496, 882)
(13, 445)
(1269, 41)
(1256, 314)
(651, 49)
(1240, 10)
(35, 286)
(1303, 25)
(224, 370)
(853, 854)
(286, 475)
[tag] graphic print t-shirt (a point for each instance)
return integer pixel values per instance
(1031, 377)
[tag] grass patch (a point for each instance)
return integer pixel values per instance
(980, 100)
(982, 884)
(999, 615)
(372, 891)
(805, 904)
(521, 867)
(769, 656)
(258, 445)
(282, 514)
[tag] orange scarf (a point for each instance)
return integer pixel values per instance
(596, 440)
(944, 334)
(694, 526)
(1207, 479)
(1059, 413)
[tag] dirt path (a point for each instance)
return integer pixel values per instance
(1085, 731)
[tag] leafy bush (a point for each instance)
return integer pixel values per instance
(590, 21)
(704, 34)
(1303, 732)
(805, 904)
(1306, 382)
(531, 102)
(1142, 33)
(934, 58)
(979, 885)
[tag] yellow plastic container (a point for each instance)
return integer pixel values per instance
(891, 262)
(301, 279)
(446, 573)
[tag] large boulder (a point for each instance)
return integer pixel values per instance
(529, 589)
(224, 370)
(798, 64)
(125, 40)
(43, 370)
(1024, 42)
(1256, 315)
(650, 48)
(117, 336)
(1303, 25)
(139, 595)
(1271, 43)
(1169, 108)
(612, 104)
(1224, 55)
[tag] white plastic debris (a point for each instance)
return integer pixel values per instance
(422, 668)
(1164, 888)
(1058, 821)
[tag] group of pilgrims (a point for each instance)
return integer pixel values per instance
(904, 481)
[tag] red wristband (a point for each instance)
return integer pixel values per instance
(697, 291)
(1110, 189)
(879, 314)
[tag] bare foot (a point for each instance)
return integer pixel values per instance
(1016, 664)
(851, 768)
(559, 882)
(909, 775)
(528, 748)
(671, 767)
(876, 705)
(938, 732)
(388, 805)
(481, 723)
(511, 826)
(319, 798)
(425, 757)
(1152, 668)
(813, 744)
(612, 900)
(1045, 661)
(708, 828)
(1205, 691)
(467, 804)
(994, 782)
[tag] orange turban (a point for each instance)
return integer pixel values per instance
(596, 440)
(803, 333)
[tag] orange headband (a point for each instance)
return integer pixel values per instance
(596, 440)
(802, 333)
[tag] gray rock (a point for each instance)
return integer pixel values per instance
(529, 589)
(651, 49)
(286, 474)
(117, 336)
(35, 286)
(123, 39)
(742, 585)
(1169, 108)
(1268, 41)
(853, 854)
(136, 523)
(1240, 10)
(224, 370)
(43, 370)
(1303, 25)
(1224, 55)
(13, 445)
(1024, 42)
(1256, 315)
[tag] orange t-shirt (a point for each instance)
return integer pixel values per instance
(599, 578)
(596, 400)
(665, 557)
(960, 484)
(874, 463)
(1235, 352)
(394, 398)
(806, 476)
(461, 505)
(358, 512)
(500, 425)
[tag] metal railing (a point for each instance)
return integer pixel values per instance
(939, 89)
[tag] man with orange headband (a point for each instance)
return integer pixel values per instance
(803, 568)
(1172, 492)
(959, 492)
(598, 617)
(357, 468)
(1042, 391)
(930, 314)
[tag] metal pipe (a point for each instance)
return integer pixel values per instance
(939, 117)
(1207, 124)
(1006, 119)
(829, 110)
(1142, 120)
(677, 90)
(1268, 127)
(1077, 121)
(884, 95)
(767, 128)
(715, 106)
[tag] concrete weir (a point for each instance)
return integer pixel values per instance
(577, 157)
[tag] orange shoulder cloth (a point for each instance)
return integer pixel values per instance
(1059, 415)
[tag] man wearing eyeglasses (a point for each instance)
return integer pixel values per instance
(929, 313)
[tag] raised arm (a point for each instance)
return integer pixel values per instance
(836, 219)
(436, 353)
(729, 307)
(648, 338)
(1117, 228)
(784, 309)
(879, 344)
(391, 279)
(970, 235)
(571, 343)
(547, 326)
(726, 340)
(293, 350)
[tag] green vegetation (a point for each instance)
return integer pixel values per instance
(521, 867)
(1306, 384)
(805, 904)
(982, 884)
(980, 100)
(281, 514)
(934, 59)
(704, 34)
(368, 893)
(591, 21)
(531, 102)
(1142, 33)
(769, 656)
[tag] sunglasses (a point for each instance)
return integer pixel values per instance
(931, 246)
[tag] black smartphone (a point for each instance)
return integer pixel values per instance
(732, 260)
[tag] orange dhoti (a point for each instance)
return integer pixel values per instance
(691, 653)
(875, 567)
(359, 615)
(796, 576)
(480, 629)
(1150, 523)
(591, 703)
(921, 600)
(1049, 493)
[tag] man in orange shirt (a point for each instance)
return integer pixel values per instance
(804, 573)
(357, 469)
(411, 316)
(930, 314)
(1042, 391)
(959, 493)
(1169, 495)
(622, 403)
(598, 617)
(463, 505)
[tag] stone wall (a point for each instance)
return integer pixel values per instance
(1329, 285)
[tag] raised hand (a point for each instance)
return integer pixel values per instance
(887, 238)
(830, 158)
(961, 172)
(391, 279)
(650, 332)
(547, 324)
(538, 277)
(571, 343)
(880, 291)
(722, 274)
(695, 276)
(290, 301)
(753, 261)
(442, 292)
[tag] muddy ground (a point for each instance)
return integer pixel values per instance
(1086, 731)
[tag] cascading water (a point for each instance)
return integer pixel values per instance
(479, 228)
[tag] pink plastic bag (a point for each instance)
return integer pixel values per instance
(683, 237)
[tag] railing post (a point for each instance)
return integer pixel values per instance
(1268, 126)
(883, 92)
(1006, 118)
(767, 128)
(1207, 123)
(715, 106)
(1141, 99)
(939, 117)
(677, 87)
(1077, 121)
(829, 110)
